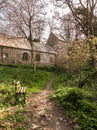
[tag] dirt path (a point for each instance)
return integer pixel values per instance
(45, 115)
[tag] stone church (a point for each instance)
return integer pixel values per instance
(18, 50)
(60, 46)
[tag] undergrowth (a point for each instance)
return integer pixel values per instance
(34, 81)
(80, 105)
(19, 119)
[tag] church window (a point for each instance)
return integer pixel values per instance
(25, 56)
(51, 59)
(6, 55)
(37, 57)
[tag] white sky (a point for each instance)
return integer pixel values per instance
(50, 10)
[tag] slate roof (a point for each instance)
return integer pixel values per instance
(14, 42)
(22, 43)
(59, 37)
(43, 47)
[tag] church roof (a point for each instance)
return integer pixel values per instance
(55, 39)
(22, 43)
(43, 47)
(14, 42)
(59, 37)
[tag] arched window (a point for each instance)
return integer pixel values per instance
(37, 57)
(51, 59)
(25, 56)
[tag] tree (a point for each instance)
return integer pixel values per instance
(25, 18)
(78, 54)
(95, 26)
(82, 13)
(70, 30)
(67, 24)
(75, 6)
(2, 4)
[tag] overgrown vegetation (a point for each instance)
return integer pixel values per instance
(34, 81)
(78, 103)
(79, 107)
(19, 118)
(76, 87)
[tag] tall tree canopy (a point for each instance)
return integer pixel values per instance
(25, 17)
(88, 7)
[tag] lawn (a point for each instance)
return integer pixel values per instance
(34, 81)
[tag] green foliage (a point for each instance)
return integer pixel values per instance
(74, 95)
(20, 120)
(75, 101)
(60, 79)
(86, 106)
(71, 95)
(34, 81)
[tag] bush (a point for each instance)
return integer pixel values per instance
(74, 95)
(76, 104)
(86, 106)
(87, 122)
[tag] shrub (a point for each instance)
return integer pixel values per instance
(87, 122)
(68, 94)
(74, 95)
(76, 104)
(86, 106)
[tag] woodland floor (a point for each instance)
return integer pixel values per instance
(45, 114)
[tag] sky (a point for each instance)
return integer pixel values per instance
(50, 11)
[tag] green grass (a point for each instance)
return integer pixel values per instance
(61, 79)
(20, 120)
(79, 104)
(34, 81)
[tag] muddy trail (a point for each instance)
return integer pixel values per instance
(45, 114)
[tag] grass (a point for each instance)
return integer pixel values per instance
(34, 81)
(19, 119)
(80, 105)
(60, 79)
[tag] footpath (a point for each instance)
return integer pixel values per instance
(45, 114)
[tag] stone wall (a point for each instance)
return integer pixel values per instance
(46, 59)
(9, 55)
(60, 47)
